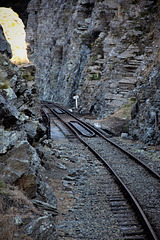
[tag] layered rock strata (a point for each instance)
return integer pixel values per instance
(106, 52)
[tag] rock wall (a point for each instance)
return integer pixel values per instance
(104, 51)
(28, 204)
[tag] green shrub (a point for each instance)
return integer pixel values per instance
(4, 85)
(97, 76)
(2, 185)
(28, 76)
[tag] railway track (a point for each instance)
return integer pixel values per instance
(139, 184)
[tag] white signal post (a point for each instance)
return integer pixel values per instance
(76, 99)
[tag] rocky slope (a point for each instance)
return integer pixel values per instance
(22, 172)
(107, 52)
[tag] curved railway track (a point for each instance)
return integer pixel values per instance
(139, 183)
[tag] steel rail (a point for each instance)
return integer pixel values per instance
(92, 134)
(73, 123)
(131, 197)
(154, 173)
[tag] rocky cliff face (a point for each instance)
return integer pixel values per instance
(104, 51)
(27, 200)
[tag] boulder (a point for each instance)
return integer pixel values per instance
(34, 131)
(41, 228)
(8, 139)
(16, 167)
(28, 185)
(8, 113)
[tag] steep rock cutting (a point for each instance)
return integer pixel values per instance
(106, 52)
